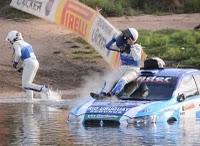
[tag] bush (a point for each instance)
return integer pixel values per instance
(173, 45)
(134, 7)
(192, 6)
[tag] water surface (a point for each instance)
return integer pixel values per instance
(37, 124)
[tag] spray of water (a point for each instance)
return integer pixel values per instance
(92, 83)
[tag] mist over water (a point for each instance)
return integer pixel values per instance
(92, 83)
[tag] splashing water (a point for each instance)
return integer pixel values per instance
(92, 83)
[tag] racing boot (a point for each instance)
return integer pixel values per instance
(100, 96)
(45, 93)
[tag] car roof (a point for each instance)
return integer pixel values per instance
(173, 72)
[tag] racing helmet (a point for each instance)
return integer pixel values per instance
(160, 62)
(131, 33)
(154, 63)
(13, 36)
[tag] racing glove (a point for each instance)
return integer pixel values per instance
(15, 64)
(20, 70)
(125, 49)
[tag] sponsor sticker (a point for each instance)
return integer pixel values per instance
(107, 110)
(116, 108)
(188, 107)
(198, 114)
(100, 116)
(155, 79)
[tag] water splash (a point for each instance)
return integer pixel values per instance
(92, 83)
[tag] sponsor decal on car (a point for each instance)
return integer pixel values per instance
(198, 114)
(188, 106)
(107, 110)
(100, 116)
(155, 79)
(115, 108)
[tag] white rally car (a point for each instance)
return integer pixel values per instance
(173, 94)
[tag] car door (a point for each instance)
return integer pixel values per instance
(188, 89)
(197, 80)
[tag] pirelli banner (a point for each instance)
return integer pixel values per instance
(77, 18)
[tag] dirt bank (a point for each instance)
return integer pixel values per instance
(152, 22)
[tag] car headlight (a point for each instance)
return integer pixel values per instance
(142, 120)
(74, 118)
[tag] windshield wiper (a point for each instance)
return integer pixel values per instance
(132, 98)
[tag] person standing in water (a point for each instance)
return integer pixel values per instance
(23, 51)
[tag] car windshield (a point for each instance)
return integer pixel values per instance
(152, 90)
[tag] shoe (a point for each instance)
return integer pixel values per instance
(102, 95)
(45, 92)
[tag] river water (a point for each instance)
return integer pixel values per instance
(37, 124)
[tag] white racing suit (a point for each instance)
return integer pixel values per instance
(24, 51)
(127, 72)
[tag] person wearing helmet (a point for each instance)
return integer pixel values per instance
(130, 55)
(23, 51)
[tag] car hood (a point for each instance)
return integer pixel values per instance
(113, 110)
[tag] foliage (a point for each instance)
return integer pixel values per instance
(121, 7)
(134, 7)
(181, 46)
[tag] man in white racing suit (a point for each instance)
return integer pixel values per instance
(130, 55)
(23, 51)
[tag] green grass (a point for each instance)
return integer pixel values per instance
(83, 51)
(135, 7)
(174, 46)
(120, 7)
(85, 54)
(182, 46)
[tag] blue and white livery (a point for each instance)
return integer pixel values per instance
(163, 95)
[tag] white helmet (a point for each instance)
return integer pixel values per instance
(134, 33)
(131, 32)
(13, 36)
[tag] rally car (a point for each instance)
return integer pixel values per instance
(164, 95)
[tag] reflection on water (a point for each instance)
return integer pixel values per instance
(28, 124)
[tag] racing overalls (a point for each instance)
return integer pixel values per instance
(127, 72)
(24, 51)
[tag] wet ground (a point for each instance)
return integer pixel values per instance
(41, 124)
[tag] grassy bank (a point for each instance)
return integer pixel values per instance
(135, 7)
(121, 7)
(177, 46)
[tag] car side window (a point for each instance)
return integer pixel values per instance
(197, 79)
(188, 86)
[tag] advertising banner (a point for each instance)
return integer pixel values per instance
(76, 17)
(41, 8)
(101, 33)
